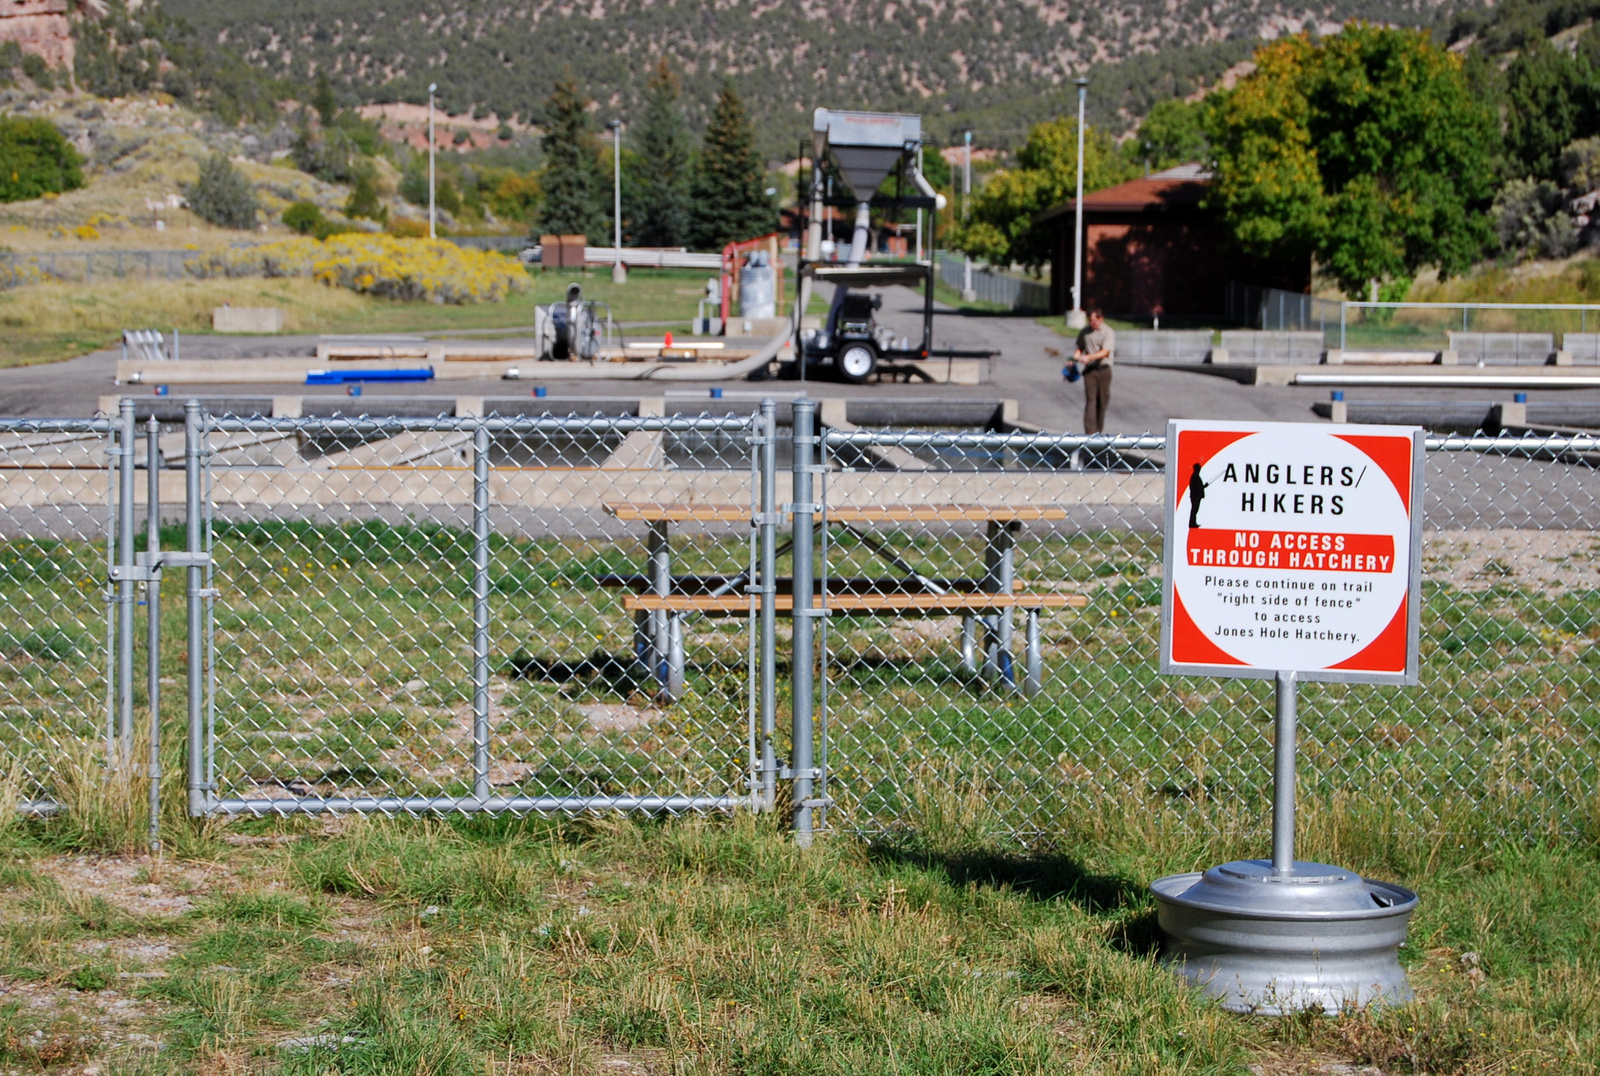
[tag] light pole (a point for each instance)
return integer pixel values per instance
(1075, 317)
(619, 274)
(967, 292)
(433, 228)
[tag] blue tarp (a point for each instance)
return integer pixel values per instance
(354, 377)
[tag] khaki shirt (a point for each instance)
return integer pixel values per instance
(1101, 339)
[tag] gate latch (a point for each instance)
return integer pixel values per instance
(147, 566)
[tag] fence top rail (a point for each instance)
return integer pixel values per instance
(56, 425)
(1043, 441)
(1156, 442)
(1364, 304)
(513, 424)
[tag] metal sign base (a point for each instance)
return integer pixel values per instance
(1272, 942)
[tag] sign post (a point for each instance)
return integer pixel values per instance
(1293, 553)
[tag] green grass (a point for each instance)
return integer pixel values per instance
(980, 905)
(716, 946)
(50, 322)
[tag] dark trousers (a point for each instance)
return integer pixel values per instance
(1096, 396)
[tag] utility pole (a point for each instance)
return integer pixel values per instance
(619, 274)
(433, 228)
(967, 292)
(1076, 319)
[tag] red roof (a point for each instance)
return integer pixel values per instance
(1177, 188)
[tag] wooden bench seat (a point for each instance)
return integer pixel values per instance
(992, 610)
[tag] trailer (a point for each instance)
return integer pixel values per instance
(852, 342)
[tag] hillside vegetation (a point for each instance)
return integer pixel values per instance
(1007, 64)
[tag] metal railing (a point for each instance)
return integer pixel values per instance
(1276, 310)
(569, 614)
(1002, 289)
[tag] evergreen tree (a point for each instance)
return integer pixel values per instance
(730, 202)
(574, 190)
(1549, 102)
(656, 207)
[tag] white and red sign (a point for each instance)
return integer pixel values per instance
(1292, 547)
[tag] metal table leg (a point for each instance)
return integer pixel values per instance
(660, 572)
(999, 558)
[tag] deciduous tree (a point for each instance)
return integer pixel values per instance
(1000, 229)
(1366, 151)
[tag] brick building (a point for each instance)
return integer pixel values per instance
(1152, 250)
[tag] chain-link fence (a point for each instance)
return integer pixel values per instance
(580, 613)
(85, 266)
(56, 505)
(992, 286)
(445, 614)
(1013, 653)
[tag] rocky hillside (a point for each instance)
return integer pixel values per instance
(1000, 63)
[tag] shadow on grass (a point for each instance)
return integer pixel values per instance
(1042, 876)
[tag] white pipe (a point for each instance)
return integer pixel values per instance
(659, 371)
(927, 188)
(858, 241)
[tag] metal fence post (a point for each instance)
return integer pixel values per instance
(480, 612)
(768, 588)
(194, 544)
(152, 456)
(1283, 776)
(804, 514)
(127, 595)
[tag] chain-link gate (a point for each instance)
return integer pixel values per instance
(478, 614)
(991, 606)
(58, 496)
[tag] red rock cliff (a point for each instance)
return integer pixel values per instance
(41, 26)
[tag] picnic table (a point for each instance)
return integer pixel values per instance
(662, 599)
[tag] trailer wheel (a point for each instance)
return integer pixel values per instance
(856, 363)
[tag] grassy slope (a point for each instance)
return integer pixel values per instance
(50, 322)
(717, 947)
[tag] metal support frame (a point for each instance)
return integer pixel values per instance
(804, 517)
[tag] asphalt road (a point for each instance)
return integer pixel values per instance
(1142, 399)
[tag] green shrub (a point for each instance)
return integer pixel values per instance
(364, 200)
(35, 68)
(222, 195)
(303, 217)
(35, 160)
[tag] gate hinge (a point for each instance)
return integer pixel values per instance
(812, 612)
(823, 801)
(767, 519)
(789, 773)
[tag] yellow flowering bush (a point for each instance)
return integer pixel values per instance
(415, 270)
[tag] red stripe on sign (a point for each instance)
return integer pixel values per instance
(1209, 547)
